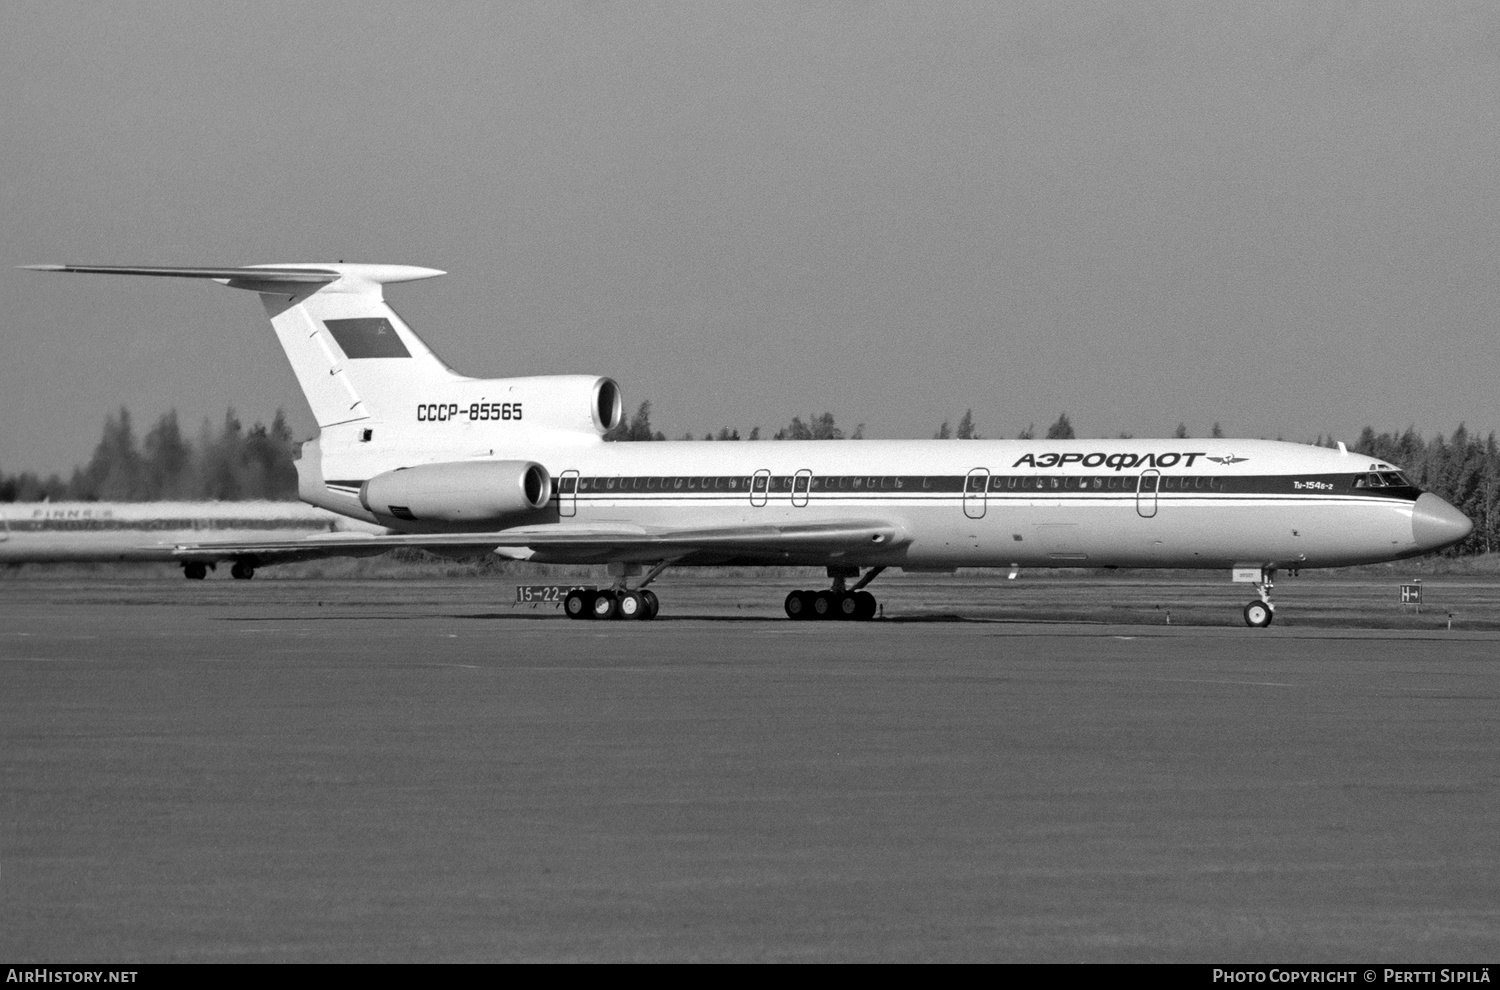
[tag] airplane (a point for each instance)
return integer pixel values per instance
(98, 532)
(518, 467)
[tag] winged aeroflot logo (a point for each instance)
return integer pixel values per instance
(1230, 459)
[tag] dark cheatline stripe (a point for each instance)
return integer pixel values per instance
(993, 486)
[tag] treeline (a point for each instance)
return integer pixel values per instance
(229, 462)
(823, 427)
(638, 427)
(224, 463)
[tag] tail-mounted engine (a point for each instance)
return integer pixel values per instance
(580, 403)
(501, 407)
(470, 492)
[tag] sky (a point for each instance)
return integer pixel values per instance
(1281, 217)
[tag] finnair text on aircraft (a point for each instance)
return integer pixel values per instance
(1119, 462)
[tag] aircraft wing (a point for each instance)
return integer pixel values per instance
(583, 544)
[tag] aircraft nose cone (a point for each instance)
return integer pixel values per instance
(1435, 523)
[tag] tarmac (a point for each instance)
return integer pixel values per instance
(418, 771)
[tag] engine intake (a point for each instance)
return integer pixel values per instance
(458, 492)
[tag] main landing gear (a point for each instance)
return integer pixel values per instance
(618, 602)
(609, 603)
(195, 570)
(837, 602)
(1259, 614)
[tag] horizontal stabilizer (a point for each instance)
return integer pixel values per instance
(264, 278)
(224, 274)
(329, 317)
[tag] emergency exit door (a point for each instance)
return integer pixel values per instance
(1145, 494)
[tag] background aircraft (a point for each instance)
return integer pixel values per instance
(56, 532)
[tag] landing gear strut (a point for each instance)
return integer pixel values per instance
(838, 602)
(1259, 614)
(618, 602)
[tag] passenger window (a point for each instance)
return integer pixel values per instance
(759, 483)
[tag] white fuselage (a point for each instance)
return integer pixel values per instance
(1075, 503)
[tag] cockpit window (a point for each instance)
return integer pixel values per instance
(1368, 481)
(1395, 479)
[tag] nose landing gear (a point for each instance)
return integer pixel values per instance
(838, 602)
(1259, 614)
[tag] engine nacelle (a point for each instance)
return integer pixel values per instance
(458, 492)
(579, 403)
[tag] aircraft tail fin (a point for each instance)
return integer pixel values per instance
(354, 358)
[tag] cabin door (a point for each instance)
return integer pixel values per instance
(1145, 494)
(801, 485)
(567, 494)
(975, 487)
(760, 486)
